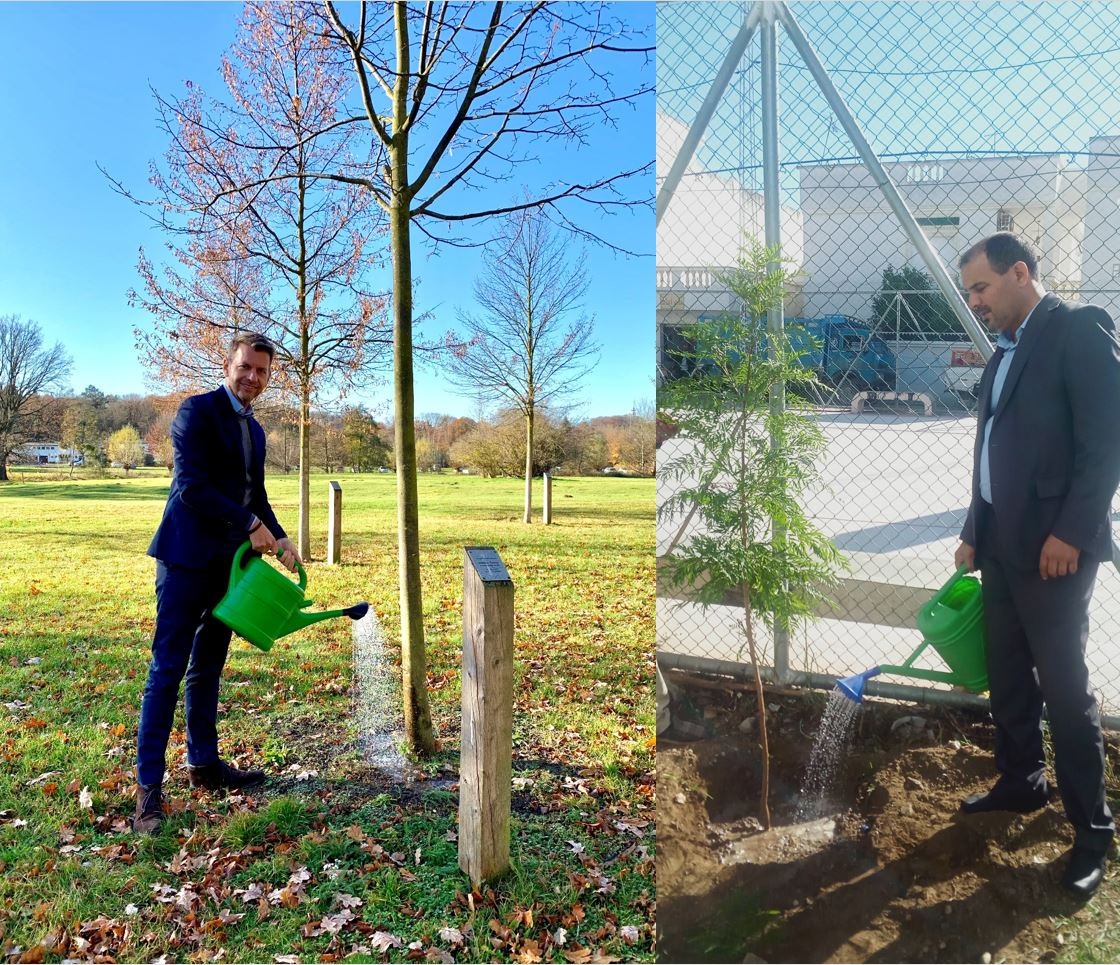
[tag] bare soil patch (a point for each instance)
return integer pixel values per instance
(892, 871)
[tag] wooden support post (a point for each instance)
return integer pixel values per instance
(334, 524)
(486, 759)
(547, 498)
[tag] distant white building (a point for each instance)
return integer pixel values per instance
(851, 235)
(704, 229)
(43, 454)
(844, 234)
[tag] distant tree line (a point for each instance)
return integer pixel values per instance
(102, 427)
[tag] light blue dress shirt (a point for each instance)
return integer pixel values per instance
(1008, 344)
(238, 406)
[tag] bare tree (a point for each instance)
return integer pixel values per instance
(28, 370)
(457, 98)
(286, 259)
(531, 344)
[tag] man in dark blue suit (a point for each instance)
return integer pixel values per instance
(217, 501)
(1046, 465)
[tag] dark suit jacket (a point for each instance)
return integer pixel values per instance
(204, 517)
(1054, 451)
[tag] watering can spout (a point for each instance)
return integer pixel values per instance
(301, 619)
(852, 687)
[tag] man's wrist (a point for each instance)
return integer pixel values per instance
(256, 524)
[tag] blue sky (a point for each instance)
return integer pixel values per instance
(919, 77)
(76, 78)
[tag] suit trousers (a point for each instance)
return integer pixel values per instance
(188, 640)
(1036, 632)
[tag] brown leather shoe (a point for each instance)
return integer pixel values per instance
(149, 809)
(219, 776)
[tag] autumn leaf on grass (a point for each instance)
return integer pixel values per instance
(629, 934)
(529, 953)
(348, 901)
(254, 892)
(451, 935)
(383, 941)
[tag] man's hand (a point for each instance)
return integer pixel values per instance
(1058, 558)
(262, 540)
(966, 557)
(286, 553)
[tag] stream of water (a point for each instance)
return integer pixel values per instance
(828, 753)
(377, 699)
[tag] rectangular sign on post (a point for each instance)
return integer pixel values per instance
(486, 758)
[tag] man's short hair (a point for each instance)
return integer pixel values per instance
(1003, 249)
(255, 341)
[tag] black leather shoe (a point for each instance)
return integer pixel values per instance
(219, 776)
(1084, 872)
(1004, 798)
(149, 809)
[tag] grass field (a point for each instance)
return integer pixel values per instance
(328, 862)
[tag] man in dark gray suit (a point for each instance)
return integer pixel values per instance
(1046, 465)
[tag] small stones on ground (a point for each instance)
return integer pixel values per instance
(913, 784)
(955, 745)
(747, 725)
(679, 797)
(773, 707)
(986, 958)
(1060, 938)
(911, 724)
(948, 909)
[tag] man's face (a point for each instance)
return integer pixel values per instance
(1001, 300)
(247, 373)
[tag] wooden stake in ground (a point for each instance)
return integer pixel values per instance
(486, 760)
(334, 523)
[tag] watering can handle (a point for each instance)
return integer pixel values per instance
(961, 570)
(237, 571)
(302, 572)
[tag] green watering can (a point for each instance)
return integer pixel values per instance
(262, 604)
(952, 622)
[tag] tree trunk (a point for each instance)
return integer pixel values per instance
(417, 714)
(304, 546)
(529, 465)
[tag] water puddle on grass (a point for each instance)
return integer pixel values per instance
(828, 753)
(377, 709)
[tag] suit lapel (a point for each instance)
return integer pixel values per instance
(1030, 338)
(228, 418)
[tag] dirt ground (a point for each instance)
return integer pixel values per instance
(892, 873)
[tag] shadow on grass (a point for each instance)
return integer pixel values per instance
(81, 491)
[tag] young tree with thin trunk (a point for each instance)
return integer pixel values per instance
(458, 98)
(746, 468)
(288, 259)
(28, 370)
(531, 344)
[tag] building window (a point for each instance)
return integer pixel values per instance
(920, 173)
(1004, 221)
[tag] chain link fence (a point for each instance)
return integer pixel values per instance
(985, 117)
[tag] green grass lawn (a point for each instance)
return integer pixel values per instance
(329, 861)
